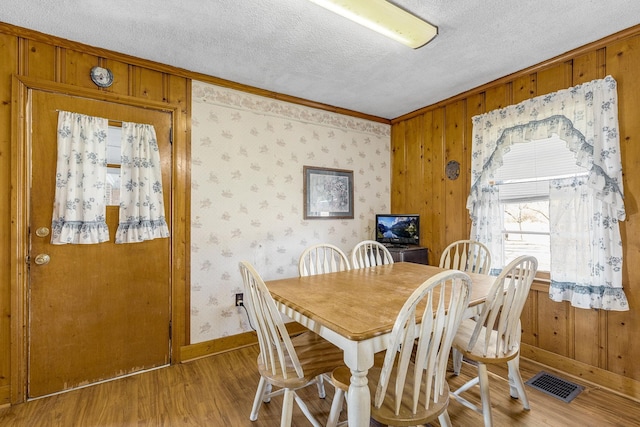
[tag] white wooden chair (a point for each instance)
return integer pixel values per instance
(322, 258)
(494, 336)
(319, 259)
(411, 387)
(469, 256)
(369, 253)
(283, 362)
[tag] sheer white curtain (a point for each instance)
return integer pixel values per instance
(79, 205)
(586, 118)
(141, 200)
(585, 247)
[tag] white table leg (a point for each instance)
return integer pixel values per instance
(359, 400)
(358, 356)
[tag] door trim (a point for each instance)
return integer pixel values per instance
(20, 192)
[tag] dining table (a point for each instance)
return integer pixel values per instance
(356, 310)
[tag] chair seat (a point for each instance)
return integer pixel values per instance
(386, 413)
(477, 353)
(316, 356)
(341, 378)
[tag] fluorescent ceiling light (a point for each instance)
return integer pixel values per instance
(385, 18)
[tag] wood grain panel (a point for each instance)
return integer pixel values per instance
(428, 215)
(8, 66)
(554, 78)
(179, 93)
(414, 164)
(148, 84)
(529, 319)
(77, 68)
(623, 63)
(586, 343)
(122, 76)
(398, 168)
(588, 67)
(455, 190)
(475, 105)
(524, 87)
(498, 97)
(40, 60)
(437, 172)
(553, 324)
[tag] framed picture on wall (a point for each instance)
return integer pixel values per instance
(328, 193)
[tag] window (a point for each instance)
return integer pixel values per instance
(523, 182)
(112, 190)
(526, 231)
(585, 244)
(85, 152)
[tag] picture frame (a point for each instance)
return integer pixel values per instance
(328, 193)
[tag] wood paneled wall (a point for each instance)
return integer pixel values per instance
(598, 346)
(48, 59)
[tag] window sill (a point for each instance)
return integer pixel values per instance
(541, 285)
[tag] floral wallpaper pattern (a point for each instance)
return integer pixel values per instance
(248, 154)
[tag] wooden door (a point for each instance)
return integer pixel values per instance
(98, 311)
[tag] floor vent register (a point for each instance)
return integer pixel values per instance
(554, 386)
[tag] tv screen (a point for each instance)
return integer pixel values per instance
(398, 229)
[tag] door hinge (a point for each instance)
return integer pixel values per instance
(170, 135)
(170, 327)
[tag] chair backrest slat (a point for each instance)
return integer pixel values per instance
(322, 258)
(444, 298)
(503, 306)
(370, 253)
(469, 256)
(277, 353)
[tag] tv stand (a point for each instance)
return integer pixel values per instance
(409, 253)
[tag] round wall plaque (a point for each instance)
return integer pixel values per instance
(101, 76)
(452, 170)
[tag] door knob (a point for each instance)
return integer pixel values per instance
(42, 259)
(42, 232)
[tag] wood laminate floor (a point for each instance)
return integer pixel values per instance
(219, 390)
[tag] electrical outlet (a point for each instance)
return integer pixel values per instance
(239, 302)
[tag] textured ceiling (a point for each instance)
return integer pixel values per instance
(297, 48)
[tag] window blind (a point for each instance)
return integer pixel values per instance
(529, 166)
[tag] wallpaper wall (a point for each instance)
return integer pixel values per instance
(248, 154)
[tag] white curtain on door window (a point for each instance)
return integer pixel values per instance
(79, 203)
(586, 118)
(141, 199)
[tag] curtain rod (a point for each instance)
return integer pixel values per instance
(110, 120)
(536, 179)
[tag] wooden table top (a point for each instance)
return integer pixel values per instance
(362, 303)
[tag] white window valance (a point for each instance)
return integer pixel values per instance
(586, 118)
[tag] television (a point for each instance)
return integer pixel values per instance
(398, 229)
